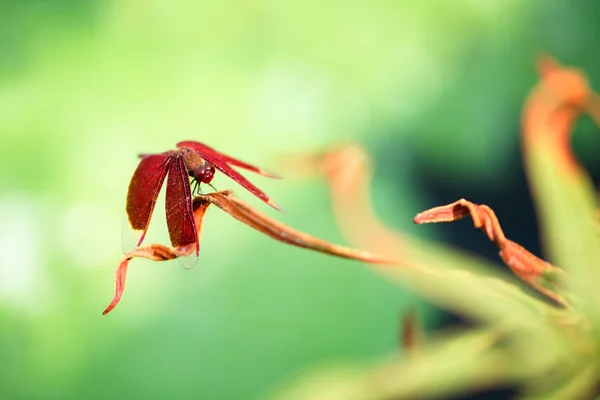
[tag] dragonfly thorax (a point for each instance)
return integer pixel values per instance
(197, 167)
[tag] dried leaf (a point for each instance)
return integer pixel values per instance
(283, 233)
(457, 364)
(524, 264)
(564, 194)
(156, 252)
(249, 216)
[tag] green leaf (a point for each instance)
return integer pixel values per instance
(457, 364)
(468, 285)
(580, 385)
(566, 204)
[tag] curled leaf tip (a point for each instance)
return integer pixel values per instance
(447, 213)
(524, 264)
(554, 104)
(120, 278)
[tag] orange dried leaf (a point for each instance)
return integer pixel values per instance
(120, 277)
(283, 233)
(448, 213)
(155, 252)
(524, 264)
(563, 191)
(249, 216)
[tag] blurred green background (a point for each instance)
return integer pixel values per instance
(433, 89)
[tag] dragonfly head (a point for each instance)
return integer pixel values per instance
(203, 173)
(196, 166)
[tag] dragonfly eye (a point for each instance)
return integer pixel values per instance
(204, 173)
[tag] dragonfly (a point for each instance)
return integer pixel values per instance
(193, 160)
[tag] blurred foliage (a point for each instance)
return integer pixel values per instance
(85, 86)
(540, 350)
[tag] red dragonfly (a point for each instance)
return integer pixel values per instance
(192, 159)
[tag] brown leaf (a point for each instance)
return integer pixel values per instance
(563, 191)
(249, 216)
(283, 233)
(156, 252)
(525, 265)
(552, 108)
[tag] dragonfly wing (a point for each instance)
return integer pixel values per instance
(221, 162)
(143, 191)
(206, 151)
(180, 215)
